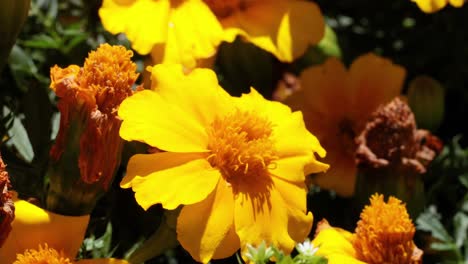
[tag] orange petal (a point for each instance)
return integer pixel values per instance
(188, 181)
(284, 28)
(374, 81)
(34, 226)
(341, 177)
(147, 117)
(145, 22)
(207, 227)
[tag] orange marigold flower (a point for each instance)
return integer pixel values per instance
(237, 165)
(187, 30)
(88, 139)
(431, 6)
(384, 234)
(7, 208)
(369, 82)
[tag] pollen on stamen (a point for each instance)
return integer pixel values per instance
(241, 145)
(385, 232)
(44, 255)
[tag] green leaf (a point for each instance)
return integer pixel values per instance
(429, 221)
(42, 41)
(19, 139)
(443, 246)
(460, 222)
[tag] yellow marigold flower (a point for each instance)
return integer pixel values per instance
(369, 82)
(384, 234)
(431, 6)
(88, 147)
(34, 226)
(40, 236)
(236, 164)
(42, 255)
(187, 30)
(52, 256)
(7, 208)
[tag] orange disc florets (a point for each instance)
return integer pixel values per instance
(44, 255)
(384, 234)
(241, 145)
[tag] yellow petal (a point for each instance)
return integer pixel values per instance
(332, 242)
(457, 3)
(183, 184)
(196, 93)
(193, 33)
(284, 28)
(294, 196)
(34, 226)
(204, 227)
(430, 6)
(102, 261)
(261, 214)
(145, 22)
(147, 117)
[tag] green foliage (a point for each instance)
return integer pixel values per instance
(449, 234)
(263, 255)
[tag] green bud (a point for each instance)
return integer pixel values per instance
(426, 98)
(13, 13)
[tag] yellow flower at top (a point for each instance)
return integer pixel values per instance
(337, 103)
(236, 164)
(431, 6)
(384, 234)
(184, 31)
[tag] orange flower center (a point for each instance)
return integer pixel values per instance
(385, 233)
(44, 255)
(110, 73)
(241, 145)
(225, 8)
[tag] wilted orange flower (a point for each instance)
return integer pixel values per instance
(431, 6)
(336, 104)
(89, 98)
(236, 164)
(384, 234)
(7, 208)
(184, 31)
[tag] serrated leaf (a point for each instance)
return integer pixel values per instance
(460, 222)
(429, 221)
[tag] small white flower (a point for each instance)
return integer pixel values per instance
(307, 248)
